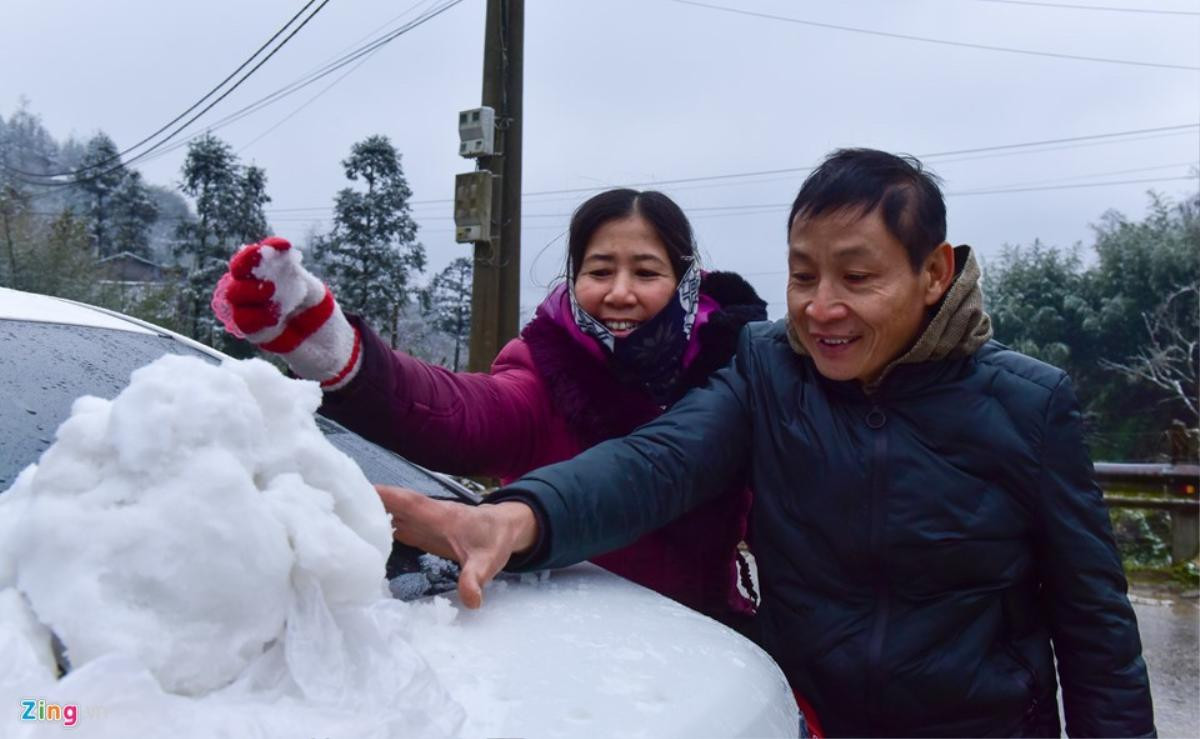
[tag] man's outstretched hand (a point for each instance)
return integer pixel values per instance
(480, 538)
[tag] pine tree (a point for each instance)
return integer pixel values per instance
(447, 304)
(133, 213)
(99, 176)
(26, 145)
(372, 250)
(229, 201)
(249, 223)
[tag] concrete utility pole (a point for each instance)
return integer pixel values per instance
(495, 292)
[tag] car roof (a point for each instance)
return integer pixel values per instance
(23, 306)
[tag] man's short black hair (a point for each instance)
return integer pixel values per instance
(863, 179)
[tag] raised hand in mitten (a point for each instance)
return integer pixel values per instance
(271, 300)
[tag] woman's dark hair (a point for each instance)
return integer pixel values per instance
(908, 196)
(667, 219)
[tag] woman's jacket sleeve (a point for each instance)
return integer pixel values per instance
(611, 494)
(457, 422)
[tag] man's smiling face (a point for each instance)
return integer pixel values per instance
(853, 296)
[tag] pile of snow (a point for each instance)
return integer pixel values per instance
(208, 561)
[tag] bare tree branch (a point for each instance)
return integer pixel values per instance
(1170, 359)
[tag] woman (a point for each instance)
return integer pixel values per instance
(635, 326)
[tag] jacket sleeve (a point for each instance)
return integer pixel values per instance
(1106, 691)
(610, 495)
(463, 423)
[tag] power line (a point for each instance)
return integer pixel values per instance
(718, 211)
(737, 209)
(1109, 173)
(279, 94)
(754, 208)
(1003, 147)
(321, 72)
(235, 85)
(318, 74)
(944, 42)
(745, 208)
(1060, 147)
(333, 84)
(809, 168)
(306, 103)
(793, 170)
(378, 28)
(1152, 11)
(989, 153)
(778, 177)
(117, 157)
(174, 120)
(939, 162)
(1067, 187)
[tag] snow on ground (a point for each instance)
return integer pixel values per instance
(210, 563)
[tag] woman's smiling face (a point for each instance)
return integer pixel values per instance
(625, 277)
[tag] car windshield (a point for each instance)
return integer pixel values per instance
(44, 367)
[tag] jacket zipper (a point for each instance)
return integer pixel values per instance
(1032, 682)
(876, 421)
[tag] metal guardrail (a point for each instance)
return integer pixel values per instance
(1178, 476)
(1161, 503)
(1174, 488)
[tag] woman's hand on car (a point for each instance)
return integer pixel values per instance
(480, 538)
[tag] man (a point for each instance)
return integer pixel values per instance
(925, 520)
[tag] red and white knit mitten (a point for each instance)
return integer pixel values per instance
(269, 299)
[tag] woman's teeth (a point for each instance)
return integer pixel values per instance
(834, 342)
(620, 325)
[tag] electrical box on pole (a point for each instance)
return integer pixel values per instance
(477, 132)
(473, 193)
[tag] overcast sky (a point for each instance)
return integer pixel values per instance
(642, 91)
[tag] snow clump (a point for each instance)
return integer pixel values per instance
(199, 548)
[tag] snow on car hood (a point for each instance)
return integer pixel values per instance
(211, 565)
(582, 652)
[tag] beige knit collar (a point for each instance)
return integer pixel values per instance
(957, 326)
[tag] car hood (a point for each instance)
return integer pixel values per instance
(583, 652)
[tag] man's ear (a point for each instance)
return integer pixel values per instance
(938, 271)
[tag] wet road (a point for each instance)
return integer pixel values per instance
(1170, 628)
